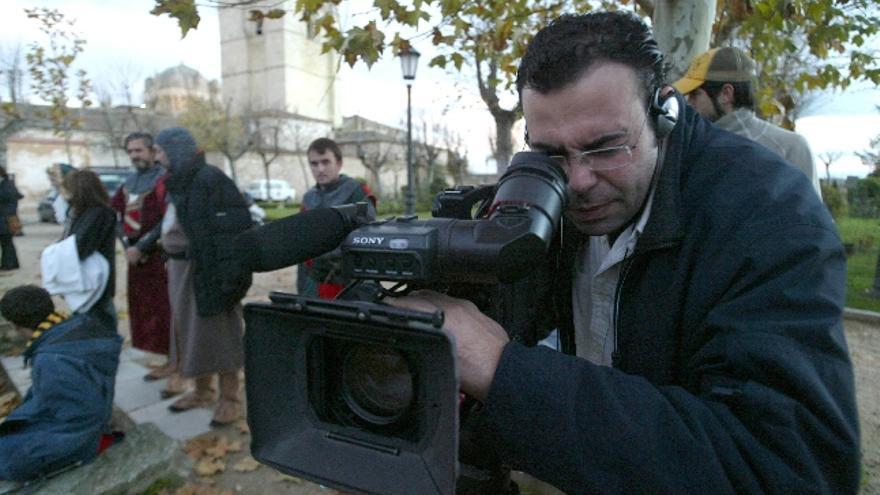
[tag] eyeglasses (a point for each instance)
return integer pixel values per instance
(609, 158)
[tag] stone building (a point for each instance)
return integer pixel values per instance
(98, 141)
(274, 79)
(170, 91)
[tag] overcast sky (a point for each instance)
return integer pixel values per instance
(123, 38)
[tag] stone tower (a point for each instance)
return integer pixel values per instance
(276, 67)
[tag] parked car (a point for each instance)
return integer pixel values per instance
(44, 208)
(278, 190)
(111, 177)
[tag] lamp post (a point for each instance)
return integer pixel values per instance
(409, 62)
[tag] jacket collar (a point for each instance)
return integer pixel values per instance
(664, 228)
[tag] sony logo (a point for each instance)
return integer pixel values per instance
(368, 240)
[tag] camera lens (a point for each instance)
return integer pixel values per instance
(377, 383)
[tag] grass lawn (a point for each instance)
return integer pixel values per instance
(864, 235)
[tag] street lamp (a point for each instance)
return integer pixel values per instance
(409, 62)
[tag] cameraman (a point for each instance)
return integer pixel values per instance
(704, 304)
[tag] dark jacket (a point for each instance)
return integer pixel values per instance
(68, 404)
(322, 276)
(9, 197)
(731, 371)
(212, 212)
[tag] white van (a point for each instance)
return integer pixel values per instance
(278, 190)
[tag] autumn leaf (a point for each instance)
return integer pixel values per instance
(275, 14)
(246, 465)
(185, 11)
(289, 479)
(223, 447)
(208, 467)
(195, 448)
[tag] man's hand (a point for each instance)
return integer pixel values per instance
(479, 340)
(133, 255)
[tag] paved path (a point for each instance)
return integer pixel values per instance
(140, 400)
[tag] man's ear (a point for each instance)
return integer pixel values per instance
(726, 96)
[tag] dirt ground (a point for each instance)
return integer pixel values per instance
(222, 464)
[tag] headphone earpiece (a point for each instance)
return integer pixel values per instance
(664, 110)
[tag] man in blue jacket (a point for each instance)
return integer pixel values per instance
(73, 370)
(702, 322)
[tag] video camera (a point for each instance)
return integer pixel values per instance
(363, 396)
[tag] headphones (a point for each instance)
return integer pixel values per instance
(663, 109)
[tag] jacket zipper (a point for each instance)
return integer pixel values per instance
(624, 271)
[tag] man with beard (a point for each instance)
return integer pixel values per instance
(140, 203)
(698, 290)
(719, 85)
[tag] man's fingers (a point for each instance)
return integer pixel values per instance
(413, 302)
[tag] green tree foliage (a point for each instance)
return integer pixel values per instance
(799, 45)
(834, 200)
(871, 157)
(51, 67)
(864, 198)
(802, 46)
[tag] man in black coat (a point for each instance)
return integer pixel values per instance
(701, 320)
(205, 289)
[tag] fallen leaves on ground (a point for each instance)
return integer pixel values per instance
(223, 447)
(213, 446)
(246, 465)
(208, 466)
(209, 453)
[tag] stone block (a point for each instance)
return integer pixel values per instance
(129, 467)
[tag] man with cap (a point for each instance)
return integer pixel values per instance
(718, 84)
(140, 205)
(205, 214)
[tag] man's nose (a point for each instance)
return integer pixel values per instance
(581, 179)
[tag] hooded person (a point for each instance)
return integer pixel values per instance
(205, 213)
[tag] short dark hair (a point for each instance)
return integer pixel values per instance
(743, 92)
(86, 190)
(146, 137)
(26, 305)
(321, 145)
(571, 44)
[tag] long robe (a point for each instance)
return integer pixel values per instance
(199, 344)
(140, 203)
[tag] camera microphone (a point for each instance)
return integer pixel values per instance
(297, 238)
